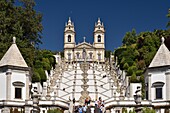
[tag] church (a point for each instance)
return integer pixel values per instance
(78, 52)
(83, 73)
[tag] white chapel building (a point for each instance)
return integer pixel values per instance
(157, 79)
(15, 78)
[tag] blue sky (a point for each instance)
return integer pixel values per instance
(118, 16)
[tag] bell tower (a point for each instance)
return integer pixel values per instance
(69, 35)
(99, 41)
(69, 40)
(99, 34)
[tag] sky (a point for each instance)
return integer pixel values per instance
(118, 16)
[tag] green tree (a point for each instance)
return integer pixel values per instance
(107, 53)
(126, 66)
(148, 110)
(124, 110)
(36, 77)
(133, 78)
(62, 54)
(22, 22)
(42, 74)
(55, 111)
(7, 25)
(148, 44)
(130, 38)
(137, 52)
(44, 60)
(132, 111)
(31, 22)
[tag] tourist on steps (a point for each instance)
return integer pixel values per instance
(80, 109)
(84, 108)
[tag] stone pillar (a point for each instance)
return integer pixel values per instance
(8, 84)
(149, 87)
(44, 92)
(126, 81)
(94, 56)
(167, 85)
(27, 87)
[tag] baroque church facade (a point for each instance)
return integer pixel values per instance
(78, 52)
(83, 73)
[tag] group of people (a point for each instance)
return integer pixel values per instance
(86, 108)
(83, 109)
(99, 106)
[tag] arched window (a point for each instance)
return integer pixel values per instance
(99, 38)
(69, 38)
(84, 53)
(91, 55)
(99, 56)
(78, 55)
(69, 56)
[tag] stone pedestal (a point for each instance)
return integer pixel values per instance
(5, 110)
(35, 102)
(27, 110)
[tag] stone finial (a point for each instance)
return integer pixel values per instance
(69, 20)
(99, 20)
(84, 39)
(14, 40)
(163, 40)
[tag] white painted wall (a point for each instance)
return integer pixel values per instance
(158, 77)
(21, 77)
(3, 86)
